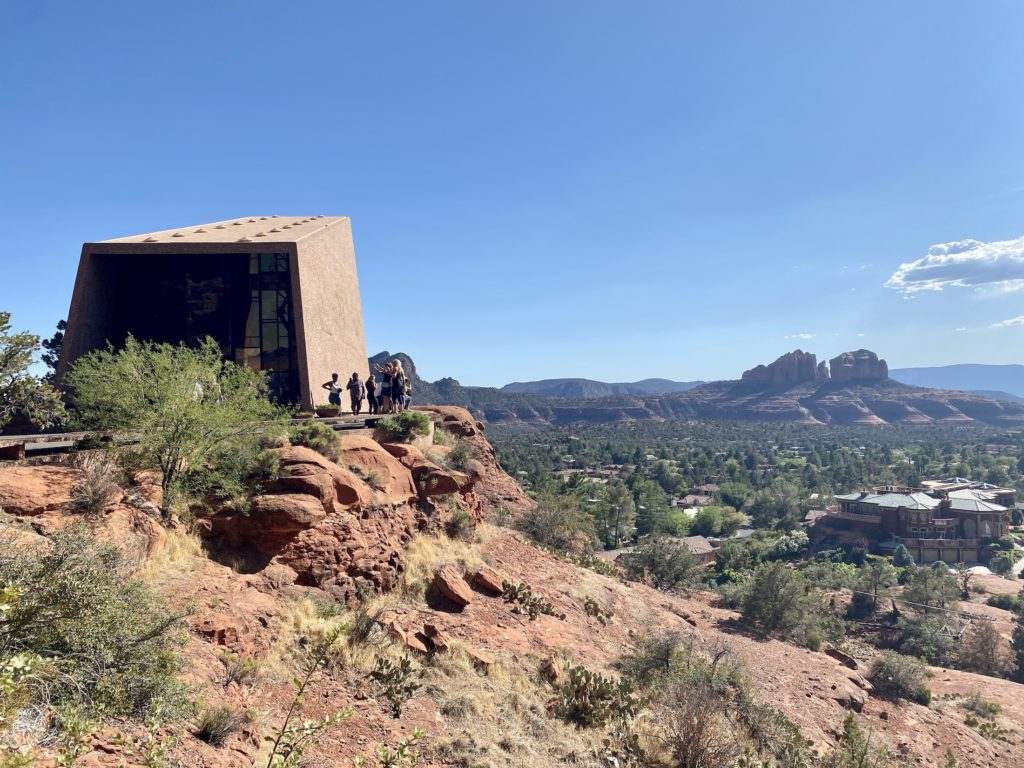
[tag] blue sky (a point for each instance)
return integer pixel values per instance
(602, 189)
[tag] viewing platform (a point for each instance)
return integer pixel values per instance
(21, 447)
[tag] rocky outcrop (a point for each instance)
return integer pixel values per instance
(39, 498)
(303, 470)
(30, 491)
(430, 479)
(792, 368)
(862, 365)
(496, 490)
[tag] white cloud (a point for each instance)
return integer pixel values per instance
(860, 334)
(1013, 322)
(959, 330)
(997, 266)
(803, 336)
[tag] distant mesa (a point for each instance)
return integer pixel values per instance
(798, 367)
(789, 370)
(862, 365)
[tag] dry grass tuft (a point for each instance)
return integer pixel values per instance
(181, 554)
(500, 720)
(425, 554)
(299, 623)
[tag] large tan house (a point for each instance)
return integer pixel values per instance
(941, 524)
(278, 293)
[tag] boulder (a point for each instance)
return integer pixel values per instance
(393, 481)
(862, 365)
(138, 535)
(849, 697)
(488, 580)
(450, 584)
(480, 659)
(843, 658)
(284, 513)
(551, 669)
(303, 470)
(29, 491)
(430, 479)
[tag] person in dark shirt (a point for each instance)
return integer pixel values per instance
(371, 393)
(357, 392)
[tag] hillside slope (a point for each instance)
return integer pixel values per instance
(488, 675)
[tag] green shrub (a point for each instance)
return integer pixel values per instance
(240, 671)
(652, 657)
(96, 638)
(215, 724)
(461, 525)
(458, 458)
(778, 599)
(559, 523)
(896, 676)
(21, 393)
(1006, 602)
(395, 680)
(664, 562)
(981, 707)
(404, 426)
(928, 637)
(1001, 565)
(320, 437)
(198, 418)
(856, 748)
(591, 700)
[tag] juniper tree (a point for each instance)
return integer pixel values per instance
(21, 393)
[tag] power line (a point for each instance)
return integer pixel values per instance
(932, 607)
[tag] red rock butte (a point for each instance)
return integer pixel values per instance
(278, 293)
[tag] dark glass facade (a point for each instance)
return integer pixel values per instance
(242, 300)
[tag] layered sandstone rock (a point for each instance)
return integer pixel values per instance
(40, 497)
(862, 365)
(495, 489)
(450, 584)
(792, 368)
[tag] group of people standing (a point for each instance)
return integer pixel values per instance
(392, 394)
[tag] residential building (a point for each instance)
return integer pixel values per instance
(938, 524)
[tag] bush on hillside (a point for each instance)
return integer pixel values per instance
(95, 638)
(1005, 602)
(404, 426)
(931, 587)
(929, 637)
(778, 599)
(652, 658)
(896, 676)
(664, 562)
(459, 456)
(983, 650)
(98, 486)
(591, 700)
(199, 419)
(560, 523)
(319, 437)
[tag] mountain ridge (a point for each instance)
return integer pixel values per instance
(794, 388)
(969, 377)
